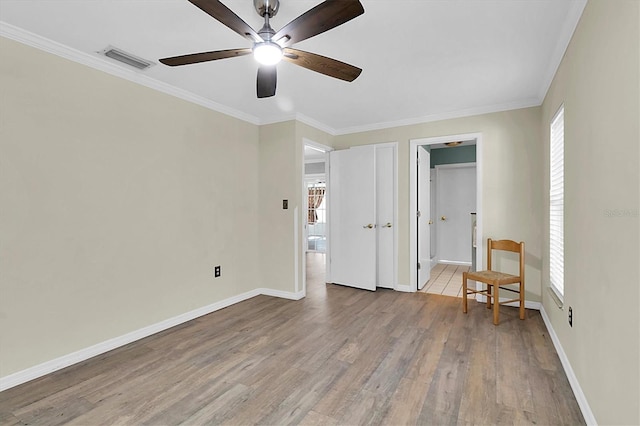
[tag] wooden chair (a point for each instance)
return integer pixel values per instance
(496, 280)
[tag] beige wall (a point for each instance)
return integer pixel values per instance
(512, 197)
(598, 82)
(281, 175)
(278, 181)
(117, 201)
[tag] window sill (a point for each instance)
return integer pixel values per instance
(555, 297)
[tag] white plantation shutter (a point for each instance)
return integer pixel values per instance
(556, 204)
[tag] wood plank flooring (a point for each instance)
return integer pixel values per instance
(338, 357)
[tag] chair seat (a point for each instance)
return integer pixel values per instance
(493, 277)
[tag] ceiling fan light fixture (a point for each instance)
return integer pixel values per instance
(267, 53)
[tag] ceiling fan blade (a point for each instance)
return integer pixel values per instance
(222, 13)
(194, 58)
(325, 16)
(321, 64)
(266, 84)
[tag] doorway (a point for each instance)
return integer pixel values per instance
(423, 242)
(315, 216)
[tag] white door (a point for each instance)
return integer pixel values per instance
(432, 219)
(385, 229)
(352, 218)
(456, 201)
(423, 215)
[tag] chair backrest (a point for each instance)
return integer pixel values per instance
(506, 245)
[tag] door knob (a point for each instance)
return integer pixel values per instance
(388, 225)
(369, 226)
(443, 218)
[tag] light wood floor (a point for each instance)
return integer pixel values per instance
(339, 356)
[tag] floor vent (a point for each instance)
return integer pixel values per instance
(126, 58)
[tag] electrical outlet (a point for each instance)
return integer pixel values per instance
(570, 317)
(216, 271)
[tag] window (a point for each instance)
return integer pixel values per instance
(556, 204)
(316, 217)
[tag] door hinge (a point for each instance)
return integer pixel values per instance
(419, 266)
(418, 213)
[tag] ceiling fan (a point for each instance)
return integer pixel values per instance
(269, 46)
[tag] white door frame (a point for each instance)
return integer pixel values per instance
(413, 201)
(302, 248)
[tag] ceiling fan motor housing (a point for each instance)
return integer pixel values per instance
(266, 7)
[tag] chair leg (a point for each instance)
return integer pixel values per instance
(488, 296)
(464, 292)
(521, 300)
(496, 305)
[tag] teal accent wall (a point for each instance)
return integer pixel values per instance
(455, 155)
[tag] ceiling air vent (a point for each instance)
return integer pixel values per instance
(126, 58)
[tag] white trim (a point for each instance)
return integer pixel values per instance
(102, 63)
(316, 124)
(59, 363)
(589, 418)
(413, 147)
(313, 160)
(314, 178)
(316, 145)
(296, 253)
(281, 294)
(455, 165)
(526, 103)
(405, 288)
(455, 262)
(569, 27)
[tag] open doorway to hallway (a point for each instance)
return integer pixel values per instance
(315, 214)
(447, 173)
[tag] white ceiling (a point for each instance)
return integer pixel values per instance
(421, 60)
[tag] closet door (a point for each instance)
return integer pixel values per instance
(385, 212)
(362, 216)
(352, 217)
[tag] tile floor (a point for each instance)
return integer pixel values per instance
(445, 280)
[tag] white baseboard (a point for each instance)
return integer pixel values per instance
(454, 262)
(47, 367)
(282, 294)
(405, 288)
(589, 418)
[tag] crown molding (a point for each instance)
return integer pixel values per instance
(569, 27)
(316, 124)
(526, 103)
(102, 64)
